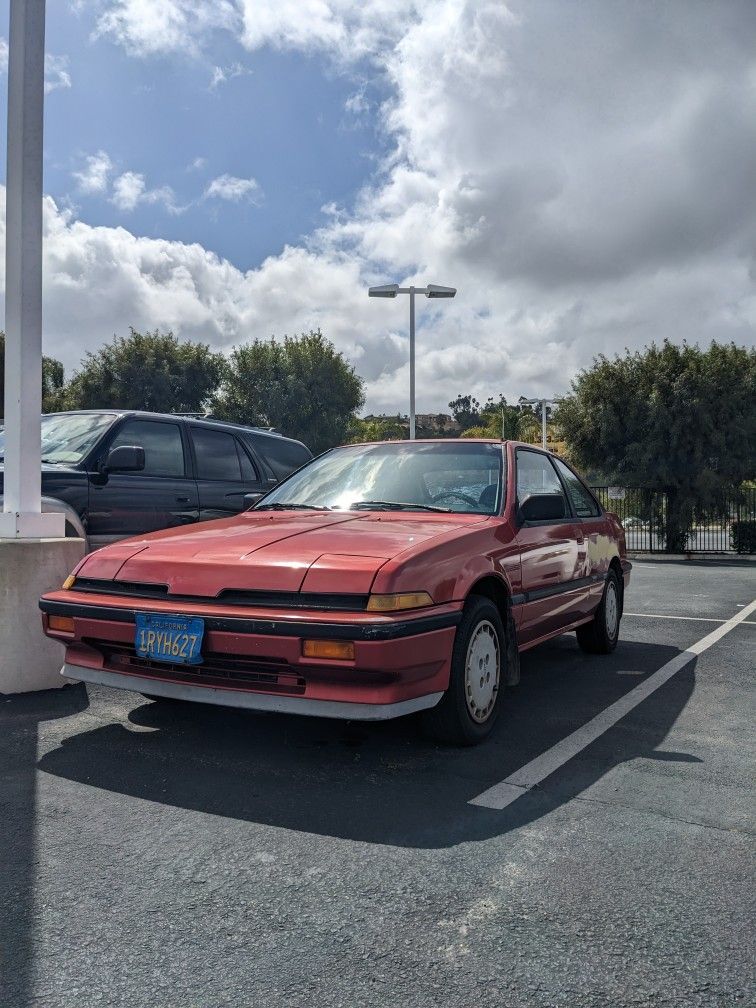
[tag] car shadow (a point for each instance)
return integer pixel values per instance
(378, 783)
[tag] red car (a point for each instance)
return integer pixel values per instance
(378, 580)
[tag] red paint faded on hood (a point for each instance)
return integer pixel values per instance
(273, 551)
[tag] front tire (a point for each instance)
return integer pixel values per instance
(600, 636)
(468, 710)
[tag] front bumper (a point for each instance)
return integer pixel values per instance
(400, 664)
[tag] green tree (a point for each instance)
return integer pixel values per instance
(147, 371)
(376, 430)
(300, 385)
(52, 381)
(466, 411)
(673, 419)
(497, 419)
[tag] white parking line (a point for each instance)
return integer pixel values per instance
(694, 619)
(527, 777)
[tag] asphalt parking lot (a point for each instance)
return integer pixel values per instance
(155, 854)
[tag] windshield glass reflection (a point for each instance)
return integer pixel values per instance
(460, 478)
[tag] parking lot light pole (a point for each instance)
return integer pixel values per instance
(430, 291)
(544, 404)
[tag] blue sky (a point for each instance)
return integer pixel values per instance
(278, 117)
(582, 173)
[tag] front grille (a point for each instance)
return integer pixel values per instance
(268, 675)
(229, 596)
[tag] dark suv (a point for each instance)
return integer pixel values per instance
(121, 473)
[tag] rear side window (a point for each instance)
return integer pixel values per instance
(580, 496)
(163, 450)
(536, 475)
(220, 457)
(283, 456)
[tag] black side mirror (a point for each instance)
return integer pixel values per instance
(125, 458)
(251, 498)
(542, 507)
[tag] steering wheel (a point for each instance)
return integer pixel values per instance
(455, 493)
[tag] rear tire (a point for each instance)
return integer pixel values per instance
(600, 636)
(469, 708)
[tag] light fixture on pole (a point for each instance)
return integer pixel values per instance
(544, 404)
(430, 291)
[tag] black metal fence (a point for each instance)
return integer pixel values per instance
(728, 529)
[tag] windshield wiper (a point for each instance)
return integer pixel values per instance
(280, 506)
(394, 506)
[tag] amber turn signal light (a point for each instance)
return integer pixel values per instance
(64, 623)
(391, 603)
(68, 583)
(343, 650)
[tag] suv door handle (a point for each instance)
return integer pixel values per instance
(183, 500)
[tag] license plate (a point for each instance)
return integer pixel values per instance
(175, 639)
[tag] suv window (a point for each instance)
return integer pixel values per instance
(582, 499)
(163, 450)
(220, 457)
(536, 475)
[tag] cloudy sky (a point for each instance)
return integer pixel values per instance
(583, 171)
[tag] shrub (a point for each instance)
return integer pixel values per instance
(743, 535)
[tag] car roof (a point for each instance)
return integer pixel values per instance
(204, 421)
(457, 441)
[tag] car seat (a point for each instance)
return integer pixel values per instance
(487, 499)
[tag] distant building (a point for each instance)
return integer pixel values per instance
(426, 424)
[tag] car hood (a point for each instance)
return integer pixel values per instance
(308, 551)
(47, 469)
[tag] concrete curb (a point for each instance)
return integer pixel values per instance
(720, 558)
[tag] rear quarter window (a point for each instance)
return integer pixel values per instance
(282, 456)
(582, 500)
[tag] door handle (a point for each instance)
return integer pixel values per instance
(183, 500)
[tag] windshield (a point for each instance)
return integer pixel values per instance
(407, 476)
(68, 437)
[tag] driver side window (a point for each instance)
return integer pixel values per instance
(163, 451)
(537, 475)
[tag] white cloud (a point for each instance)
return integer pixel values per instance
(582, 188)
(229, 187)
(222, 74)
(94, 177)
(357, 103)
(145, 27)
(197, 164)
(56, 73)
(129, 190)
(56, 68)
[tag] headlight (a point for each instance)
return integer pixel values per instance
(404, 600)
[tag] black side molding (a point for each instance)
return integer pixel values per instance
(274, 628)
(558, 589)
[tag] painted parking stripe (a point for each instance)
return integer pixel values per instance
(527, 777)
(693, 619)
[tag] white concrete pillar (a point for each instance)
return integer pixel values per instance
(28, 569)
(21, 515)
